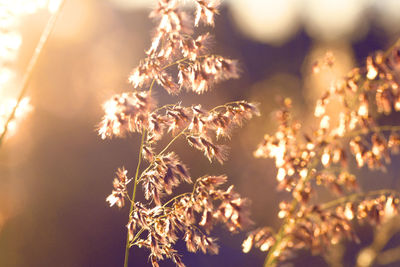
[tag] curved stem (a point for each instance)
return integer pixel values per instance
(356, 196)
(173, 140)
(133, 196)
(176, 197)
(31, 65)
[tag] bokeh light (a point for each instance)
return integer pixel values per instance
(335, 19)
(267, 21)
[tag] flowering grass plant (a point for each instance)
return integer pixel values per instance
(159, 223)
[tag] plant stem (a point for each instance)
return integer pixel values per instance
(270, 260)
(356, 196)
(172, 141)
(133, 196)
(31, 65)
(137, 178)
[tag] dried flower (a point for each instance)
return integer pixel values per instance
(304, 161)
(118, 194)
(125, 113)
(160, 222)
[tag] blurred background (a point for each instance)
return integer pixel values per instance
(55, 171)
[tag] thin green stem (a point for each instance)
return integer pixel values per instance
(137, 177)
(151, 85)
(388, 51)
(133, 196)
(174, 63)
(173, 140)
(31, 65)
(136, 182)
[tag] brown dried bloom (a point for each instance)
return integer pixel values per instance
(161, 225)
(158, 224)
(305, 161)
(202, 74)
(127, 112)
(199, 126)
(205, 11)
(119, 193)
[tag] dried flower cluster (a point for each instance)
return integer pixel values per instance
(305, 160)
(317, 227)
(158, 224)
(174, 42)
(198, 125)
(126, 113)
(158, 228)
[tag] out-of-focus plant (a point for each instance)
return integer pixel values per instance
(11, 13)
(159, 223)
(323, 157)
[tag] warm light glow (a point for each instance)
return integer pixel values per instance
(11, 14)
(6, 108)
(319, 109)
(366, 257)
(281, 174)
(247, 244)
(342, 124)
(266, 245)
(9, 45)
(348, 212)
(303, 173)
(324, 124)
(278, 152)
(134, 4)
(363, 110)
(388, 15)
(325, 159)
(334, 19)
(53, 5)
(390, 208)
(372, 72)
(267, 21)
(22, 7)
(6, 75)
